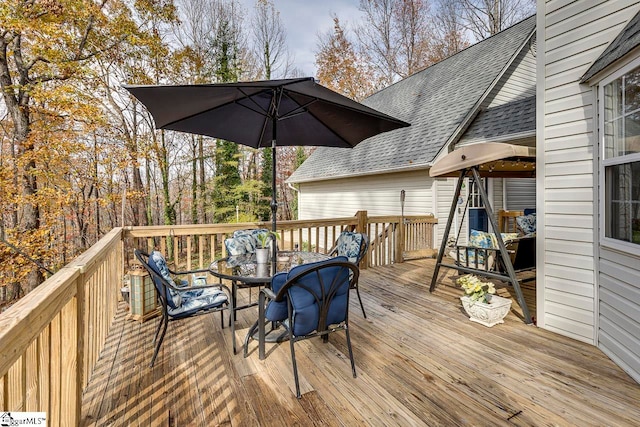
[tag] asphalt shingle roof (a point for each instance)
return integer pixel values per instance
(626, 41)
(435, 101)
(517, 117)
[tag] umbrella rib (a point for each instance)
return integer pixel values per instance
(300, 109)
(250, 98)
(372, 112)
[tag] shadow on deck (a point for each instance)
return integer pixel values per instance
(419, 362)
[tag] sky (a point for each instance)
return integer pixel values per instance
(303, 20)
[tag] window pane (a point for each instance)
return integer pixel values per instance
(622, 202)
(613, 138)
(631, 142)
(613, 100)
(632, 91)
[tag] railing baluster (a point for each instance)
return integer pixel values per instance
(188, 253)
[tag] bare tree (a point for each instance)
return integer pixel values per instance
(396, 36)
(270, 41)
(484, 18)
(375, 37)
(413, 36)
(448, 31)
(339, 66)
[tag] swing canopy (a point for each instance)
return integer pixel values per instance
(493, 159)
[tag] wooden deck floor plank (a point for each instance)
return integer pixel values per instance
(212, 384)
(157, 413)
(566, 364)
(562, 360)
(264, 402)
(135, 381)
(241, 407)
(443, 368)
(495, 397)
(180, 401)
(118, 386)
(94, 397)
(363, 394)
(415, 364)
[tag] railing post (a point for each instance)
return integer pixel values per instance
(80, 331)
(399, 256)
(361, 227)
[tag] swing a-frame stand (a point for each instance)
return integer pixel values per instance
(494, 160)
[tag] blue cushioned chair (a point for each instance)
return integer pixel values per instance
(310, 300)
(354, 246)
(179, 301)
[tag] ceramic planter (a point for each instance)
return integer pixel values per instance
(487, 314)
(262, 255)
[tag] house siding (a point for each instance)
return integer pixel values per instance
(519, 82)
(584, 290)
(378, 195)
(521, 193)
(619, 305)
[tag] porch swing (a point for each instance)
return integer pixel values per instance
(485, 160)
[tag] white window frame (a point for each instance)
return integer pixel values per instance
(615, 244)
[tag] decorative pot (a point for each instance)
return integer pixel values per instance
(486, 314)
(262, 255)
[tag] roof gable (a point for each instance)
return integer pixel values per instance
(625, 42)
(507, 121)
(437, 101)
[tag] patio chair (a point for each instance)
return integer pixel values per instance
(180, 301)
(243, 242)
(354, 246)
(310, 300)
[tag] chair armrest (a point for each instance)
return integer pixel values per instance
(182, 273)
(269, 293)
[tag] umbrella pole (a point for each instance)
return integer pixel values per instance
(274, 202)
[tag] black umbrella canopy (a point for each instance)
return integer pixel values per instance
(306, 112)
(259, 114)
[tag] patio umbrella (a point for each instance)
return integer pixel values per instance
(268, 113)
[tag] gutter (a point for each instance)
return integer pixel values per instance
(361, 174)
(290, 185)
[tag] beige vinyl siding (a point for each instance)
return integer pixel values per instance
(445, 190)
(378, 195)
(521, 193)
(619, 305)
(572, 35)
(567, 115)
(519, 82)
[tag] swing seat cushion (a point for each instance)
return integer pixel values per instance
(481, 240)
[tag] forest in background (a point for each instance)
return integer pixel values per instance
(79, 156)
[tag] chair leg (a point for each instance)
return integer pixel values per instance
(261, 322)
(360, 299)
(295, 365)
(353, 363)
(165, 322)
(233, 331)
(155, 337)
(247, 338)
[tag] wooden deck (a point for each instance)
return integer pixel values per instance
(420, 361)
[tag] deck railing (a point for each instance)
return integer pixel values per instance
(51, 339)
(393, 238)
